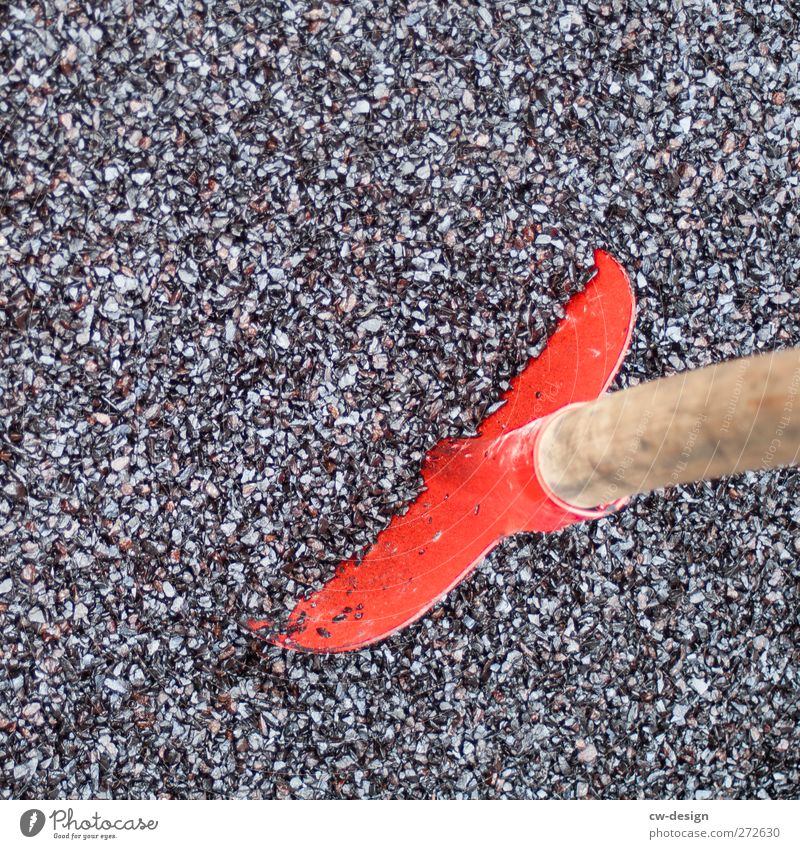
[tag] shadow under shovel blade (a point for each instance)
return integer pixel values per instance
(477, 490)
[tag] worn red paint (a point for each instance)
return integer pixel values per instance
(477, 490)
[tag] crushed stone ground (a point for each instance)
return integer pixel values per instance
(255, 259)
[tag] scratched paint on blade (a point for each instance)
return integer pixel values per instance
(476, 491)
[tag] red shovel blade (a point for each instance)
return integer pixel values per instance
(477, 490)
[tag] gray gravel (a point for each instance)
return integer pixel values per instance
(257, 257)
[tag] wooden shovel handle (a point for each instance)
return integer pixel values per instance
(698, 425)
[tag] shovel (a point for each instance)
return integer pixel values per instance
(555, 453)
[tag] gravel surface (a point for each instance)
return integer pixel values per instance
(257, 257)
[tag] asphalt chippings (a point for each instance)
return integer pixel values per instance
(255, 259)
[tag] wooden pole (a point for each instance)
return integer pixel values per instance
(697, 425)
